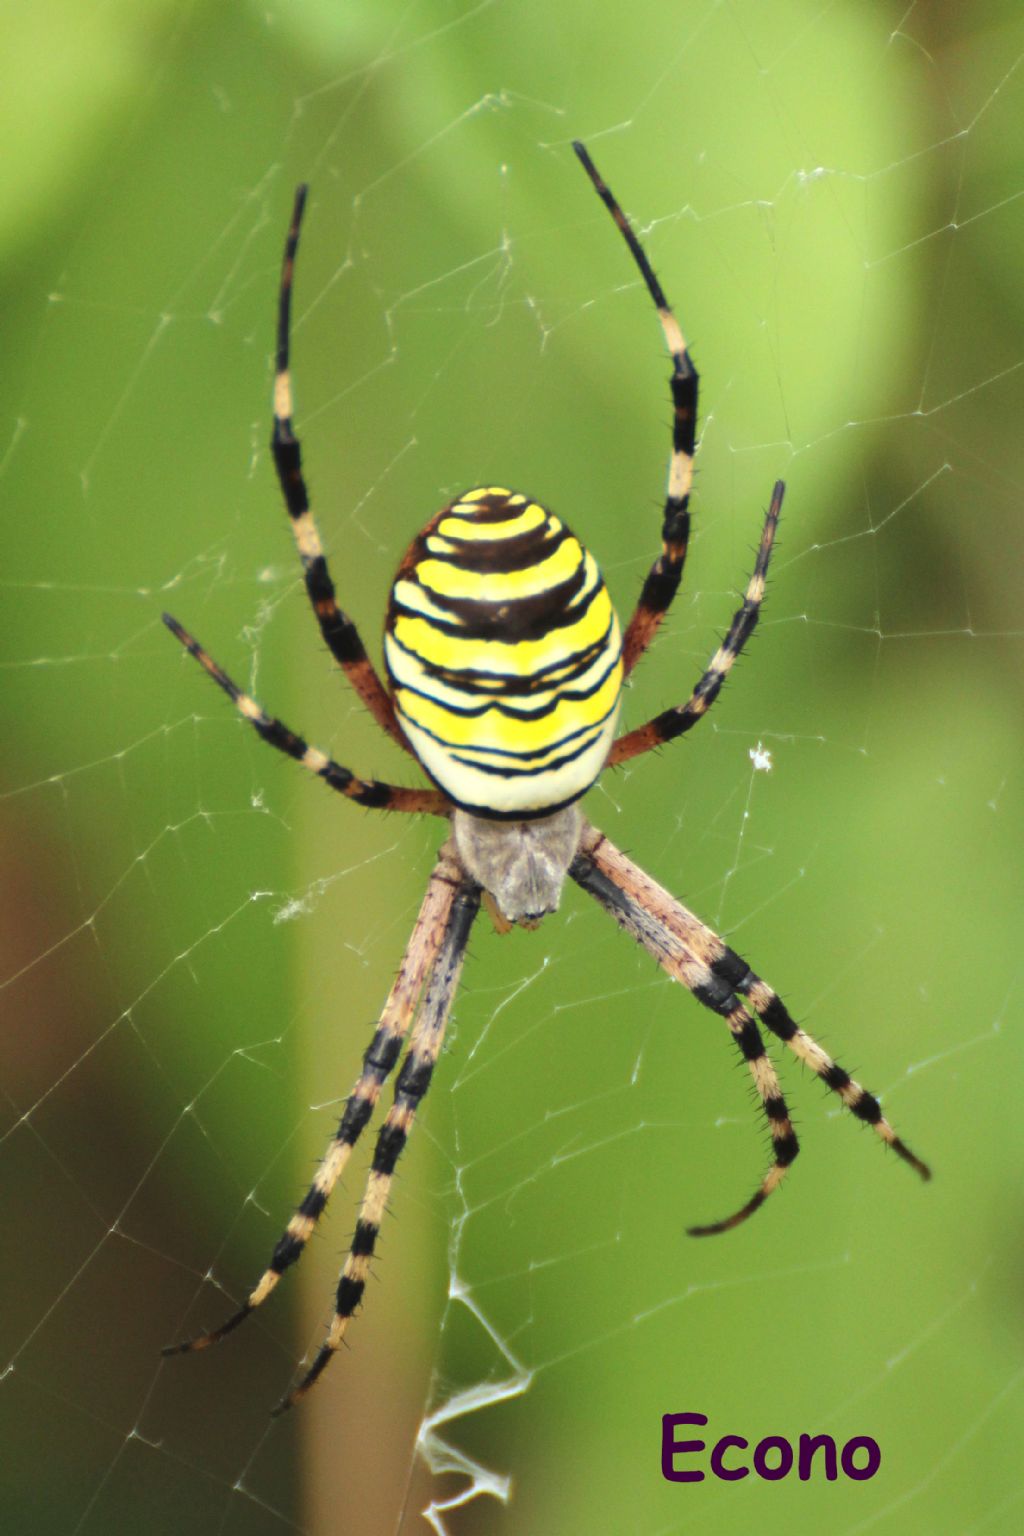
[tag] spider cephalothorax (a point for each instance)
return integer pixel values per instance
(519, 865)
(505, 663)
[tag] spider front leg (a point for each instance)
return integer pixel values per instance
(413, 1082)
(378, 1061)
(337, 628)
(674, 722)
(717, 976)
(665, 574)
(369, 792)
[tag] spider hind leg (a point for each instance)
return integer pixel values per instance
(717, 995)
(379, 1060)
(722, 980)
(863, 1105)
(413, 1081)
(669, 932)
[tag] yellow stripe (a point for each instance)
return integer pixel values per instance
(499, 586)
(519, 658)
(579, 675)
(494, 731)
(465, 531)
(483, 491)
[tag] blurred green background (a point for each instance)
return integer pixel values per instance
(197, 939)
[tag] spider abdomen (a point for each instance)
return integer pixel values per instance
(504, 656)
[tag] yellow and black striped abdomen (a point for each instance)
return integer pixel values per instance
(504, 656)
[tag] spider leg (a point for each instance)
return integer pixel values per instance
(722, 981)
(413, 1082)
(666, 573)
(647, 911)
(772, 1012)
(337, 628)
(369, 792)
(674, 722)
(378, 1061)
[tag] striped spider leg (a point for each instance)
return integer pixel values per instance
(692, 953)
(337, 628)
(665, 574)
(413, 1081)
(428, 935)
(369, 792)
(682, 717)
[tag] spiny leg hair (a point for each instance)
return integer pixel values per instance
(337, 628)
(369, 792)
(720, 979)
(681, 718)
(413, 1082)
(378, 1062)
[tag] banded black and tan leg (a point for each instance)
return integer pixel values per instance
(369, 792)
(413, 1082)
(675, 722)
(665, 574)
(731, 970)
(337, 628)
(862, 1104)
(731, 974)
(651, 915)
(378, 1062)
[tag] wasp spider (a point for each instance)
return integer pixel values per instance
(505, 666)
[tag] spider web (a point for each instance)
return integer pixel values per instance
(197, 939)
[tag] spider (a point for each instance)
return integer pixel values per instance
(505, 666)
